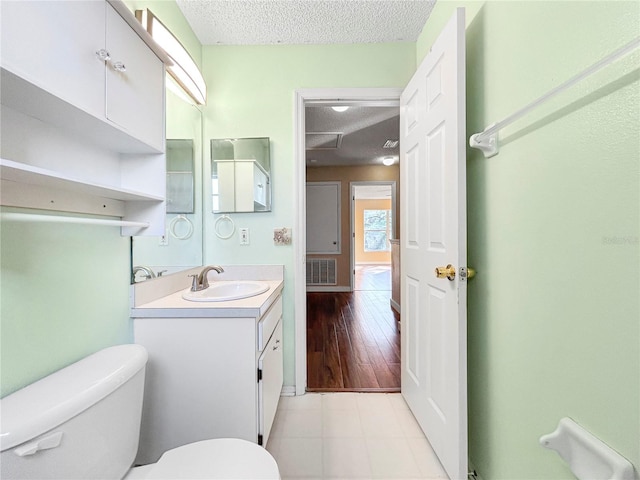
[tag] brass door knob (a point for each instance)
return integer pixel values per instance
(446, 272)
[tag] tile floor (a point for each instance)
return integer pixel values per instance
(348, 436)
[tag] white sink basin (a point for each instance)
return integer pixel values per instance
(223, 291)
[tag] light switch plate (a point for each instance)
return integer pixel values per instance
(244, 236)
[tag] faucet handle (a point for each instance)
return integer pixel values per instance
(195, 286)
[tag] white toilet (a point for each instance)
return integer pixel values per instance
(83, 422)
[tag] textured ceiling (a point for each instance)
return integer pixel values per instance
(358, 133)
(364, 131)
(266, 22)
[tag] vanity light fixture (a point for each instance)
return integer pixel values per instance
(340, 108)
(388, 161)
(184, 70)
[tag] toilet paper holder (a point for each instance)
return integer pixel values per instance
(588, 457)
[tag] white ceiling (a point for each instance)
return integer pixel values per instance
(270, 22)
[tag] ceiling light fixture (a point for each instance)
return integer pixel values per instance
(184, 70)
(340, 108)
(388, 161)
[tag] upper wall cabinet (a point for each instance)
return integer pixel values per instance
(83, 110)
(50, 43)
(85, 54)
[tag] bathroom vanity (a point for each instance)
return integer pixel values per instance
(215, 368)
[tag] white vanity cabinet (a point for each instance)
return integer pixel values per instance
(209, 377)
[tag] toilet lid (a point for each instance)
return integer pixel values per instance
(220, 458)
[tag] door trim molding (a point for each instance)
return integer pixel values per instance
(303, 97)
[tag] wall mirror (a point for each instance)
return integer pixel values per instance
(240, 175)
(181, 246)
(180, 175)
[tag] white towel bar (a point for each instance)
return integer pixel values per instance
(487, 140)
(28, 217)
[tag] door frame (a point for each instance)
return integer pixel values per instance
(303, 97)
(352, 219)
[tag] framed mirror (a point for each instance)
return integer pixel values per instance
(240, 175)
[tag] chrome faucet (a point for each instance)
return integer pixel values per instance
(200, 282)
(140, 268)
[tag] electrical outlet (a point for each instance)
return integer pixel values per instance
(244, 236)
(164, 240)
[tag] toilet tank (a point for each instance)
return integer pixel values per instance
(81, 422)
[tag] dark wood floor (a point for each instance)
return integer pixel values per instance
(353, 343)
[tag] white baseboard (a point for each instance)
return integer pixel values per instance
(473, 470)
(395, 305)
(288, 391)
(328, 288)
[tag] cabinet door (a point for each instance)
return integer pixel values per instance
(244, 185)
(135, 83)
(259, 187)
(53, 45)
(270, 386)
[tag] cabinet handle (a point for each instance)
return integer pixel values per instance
(276, 347)
(119, 67)
(103, 55)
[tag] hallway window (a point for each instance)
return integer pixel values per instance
(377, 225)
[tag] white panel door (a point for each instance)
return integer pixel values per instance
(433, 220)
(323, 217)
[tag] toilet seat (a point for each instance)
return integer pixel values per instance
(220, 458)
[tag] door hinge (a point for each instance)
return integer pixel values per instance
(259, 374)
(260, 439)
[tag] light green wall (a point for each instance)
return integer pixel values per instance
(251, 95)
(64, 295)
(553, 232)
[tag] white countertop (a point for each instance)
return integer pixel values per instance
(174, 305)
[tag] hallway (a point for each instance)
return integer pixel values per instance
(353, 343)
